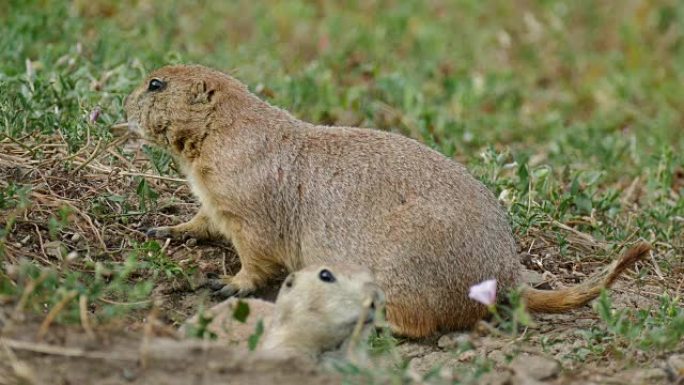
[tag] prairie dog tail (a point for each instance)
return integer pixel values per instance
(557, 301)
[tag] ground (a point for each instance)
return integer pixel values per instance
(569, 112)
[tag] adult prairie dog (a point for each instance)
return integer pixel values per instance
(316, 310)
(290, 194)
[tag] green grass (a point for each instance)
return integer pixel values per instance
(571, 112)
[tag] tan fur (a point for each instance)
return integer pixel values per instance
(291, 194)
(199, 227)
(309, 316)
(558, 301)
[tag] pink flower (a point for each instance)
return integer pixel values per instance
(484, 292)
(94, 114)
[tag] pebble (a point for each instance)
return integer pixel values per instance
(411, 350)
(495, 378)
(675, 365)
(649, 376)
(129, 374)
(454, 340)
(431, 361)
(535, 367)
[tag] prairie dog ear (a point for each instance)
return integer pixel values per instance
(289, 281)
(201, 92)
(286, 287)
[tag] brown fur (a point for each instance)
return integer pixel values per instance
(558, 301)
(291, 194)
(309, 316)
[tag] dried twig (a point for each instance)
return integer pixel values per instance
(20, 368)
(92, 226)
(83, 311)
(119, 126)
(359, 327)
(165, 246)
(21, 162)
(580, 234)
(42, 245)
(64, 351)
(105, 169)
(90, 158)
(656, 267)
(28, 290)
(54, 312)
(78, 211)
(147, 335)
(19, 143)
(137, 303)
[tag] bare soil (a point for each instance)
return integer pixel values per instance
(138, 354)
(68, 356)
(142, 347)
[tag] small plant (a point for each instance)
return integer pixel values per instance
(156, 260)
(382, 342)
(655, 329)
(105, 286)
(160, 159)
(510, 316)
(253, 339)
(625, 331)
(240, 314)
(13, 200)
(201, 328)
(241, 311)
(146, 195)
(57, 223)
(14, 196)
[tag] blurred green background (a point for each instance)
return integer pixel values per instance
(458, 73)
(556, 105)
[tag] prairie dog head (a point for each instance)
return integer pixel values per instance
(174, 106)
(318, 307)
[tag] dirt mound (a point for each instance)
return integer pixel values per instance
(68, 356)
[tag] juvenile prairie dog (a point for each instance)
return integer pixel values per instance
(316, 310)
(290, 194)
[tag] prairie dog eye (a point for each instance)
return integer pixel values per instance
(326, 276)
(156, 85)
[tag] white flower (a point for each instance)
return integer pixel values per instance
(484, 292)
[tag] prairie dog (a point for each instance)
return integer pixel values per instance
(290, 194)
(316, 310)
